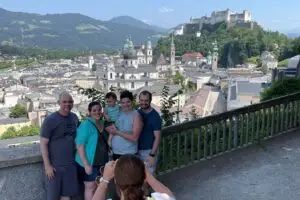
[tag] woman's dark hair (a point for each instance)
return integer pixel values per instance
(92, 104)
(111, 95)
(126, 94)
(130, 175)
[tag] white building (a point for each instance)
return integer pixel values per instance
(136, 70)
(227, 16)
(268, 61)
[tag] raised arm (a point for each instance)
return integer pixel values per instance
(158, 186)
(136, 131)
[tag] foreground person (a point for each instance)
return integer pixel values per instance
(57, 147)
(92, 149)
(130, 174)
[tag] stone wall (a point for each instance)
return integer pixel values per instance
(21, 174)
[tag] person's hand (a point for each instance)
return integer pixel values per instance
(106, 117)
(151, 161)
(111, 129)
(109, 169)
(88, 169)
(49, 170)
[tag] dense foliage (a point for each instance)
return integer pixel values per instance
(281, 88)
(236, 45)
(18, 111)
(11, 132)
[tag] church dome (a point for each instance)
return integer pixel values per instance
(130, 54)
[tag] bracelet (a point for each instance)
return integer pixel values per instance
(104, 180)
(100, 180)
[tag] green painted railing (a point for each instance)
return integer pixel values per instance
(193, 141)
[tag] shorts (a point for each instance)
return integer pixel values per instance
(65, 182)
(85, 177)
(144, 155)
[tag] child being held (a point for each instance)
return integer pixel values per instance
(111, 111)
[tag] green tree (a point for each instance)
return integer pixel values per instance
(93, 94)
(18, 111)
(11, 132)
(167, 102)
(179, 79)
(281, 88)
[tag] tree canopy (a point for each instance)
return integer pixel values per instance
(18, 111)
(236, 45)
(281, 88)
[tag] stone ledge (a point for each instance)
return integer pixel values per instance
(23, 155)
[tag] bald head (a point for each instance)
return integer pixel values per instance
(64, 94)
(65, 102)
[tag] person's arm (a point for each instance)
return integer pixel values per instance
(156, 185)
(100, 191)
(45, 134)
(108, 175)
(136, 131)
(82, 135)
(110, 139)
(157, 134)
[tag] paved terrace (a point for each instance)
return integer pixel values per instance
(270, 171)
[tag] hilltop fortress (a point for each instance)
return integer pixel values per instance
(232, 19)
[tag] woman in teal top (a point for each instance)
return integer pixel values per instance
(92, 148)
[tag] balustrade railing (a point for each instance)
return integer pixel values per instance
(193, 141)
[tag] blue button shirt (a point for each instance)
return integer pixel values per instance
(152, 122)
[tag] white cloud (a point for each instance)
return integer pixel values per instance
(164, 9)
(147, 21)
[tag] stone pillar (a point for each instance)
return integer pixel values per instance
(281, 75)
(298, 69)
(274, 74)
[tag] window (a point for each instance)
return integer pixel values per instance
(146, 83)
(132, 85)
(117, 74)
(111, 75)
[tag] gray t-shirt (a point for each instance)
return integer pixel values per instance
(61, 132)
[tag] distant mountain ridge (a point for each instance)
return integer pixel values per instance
(72, 31)
(127, 20)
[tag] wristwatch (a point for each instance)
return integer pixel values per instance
(152, 154)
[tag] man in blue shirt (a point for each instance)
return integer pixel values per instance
(151, 133)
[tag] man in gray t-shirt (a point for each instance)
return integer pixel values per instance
(57, 146)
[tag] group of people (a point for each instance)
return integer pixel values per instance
(116, 143)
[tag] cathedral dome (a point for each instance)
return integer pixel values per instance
(130, 54)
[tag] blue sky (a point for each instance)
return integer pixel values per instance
(272, 14)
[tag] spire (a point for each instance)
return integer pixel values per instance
(172, 41)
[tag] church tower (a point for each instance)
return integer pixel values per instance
(149, 56)
(172, 52)
(215, 56)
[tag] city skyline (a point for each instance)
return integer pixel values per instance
(281, 16)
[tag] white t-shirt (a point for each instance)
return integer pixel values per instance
(160, 196)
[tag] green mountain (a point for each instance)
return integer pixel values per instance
(68, 31)
(127, 20)
(236, 44)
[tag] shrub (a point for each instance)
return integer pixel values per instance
(11, 132)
